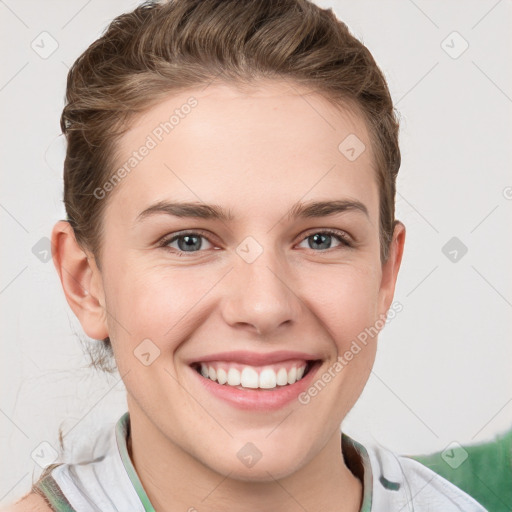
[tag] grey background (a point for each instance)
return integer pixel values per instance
(442, 373)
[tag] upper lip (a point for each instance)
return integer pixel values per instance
(255, 358)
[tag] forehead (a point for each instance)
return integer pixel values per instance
(252, 149)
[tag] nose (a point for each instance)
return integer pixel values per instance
(260, 295)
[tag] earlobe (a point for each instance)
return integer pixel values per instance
(391, 267)
(81, 281)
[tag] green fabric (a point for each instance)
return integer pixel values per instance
(47, 487)
(485, 474)
(123, 431)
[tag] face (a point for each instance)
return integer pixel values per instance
(268, 274)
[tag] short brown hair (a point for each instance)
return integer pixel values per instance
(165, 47)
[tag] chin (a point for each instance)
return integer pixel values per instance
(262, 471)
(249, 463)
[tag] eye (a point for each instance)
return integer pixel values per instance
(192, 241)
(323, 239)
(186, 242)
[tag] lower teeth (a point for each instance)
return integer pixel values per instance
(258, 389)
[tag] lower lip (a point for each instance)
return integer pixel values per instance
(259, 399)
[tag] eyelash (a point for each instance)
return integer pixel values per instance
(339, 235)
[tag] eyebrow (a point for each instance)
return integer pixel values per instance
(212, 212)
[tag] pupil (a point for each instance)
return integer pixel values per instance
(321, 239)
(190, 243)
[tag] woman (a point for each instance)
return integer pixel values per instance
(229, 185)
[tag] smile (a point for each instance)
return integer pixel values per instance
(254, 381)
(243, 376)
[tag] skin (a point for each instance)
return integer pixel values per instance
(255, 152)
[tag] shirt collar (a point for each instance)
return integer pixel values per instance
(351, 450)
(122, 433)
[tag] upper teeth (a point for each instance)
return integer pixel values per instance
(250, 377)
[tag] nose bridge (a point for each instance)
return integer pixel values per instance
(261, 293)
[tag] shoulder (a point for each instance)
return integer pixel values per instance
(402, 481)
(436, 488)
(32, 502)
(482, 469)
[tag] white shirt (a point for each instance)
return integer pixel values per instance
(108, 482)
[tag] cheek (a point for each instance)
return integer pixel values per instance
(345, 299)
(155, 304)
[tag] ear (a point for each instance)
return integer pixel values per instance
(390, 268)
(81, 281)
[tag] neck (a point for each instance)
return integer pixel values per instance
(174, 481)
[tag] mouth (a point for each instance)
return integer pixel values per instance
(267, 377)
(254, 381)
